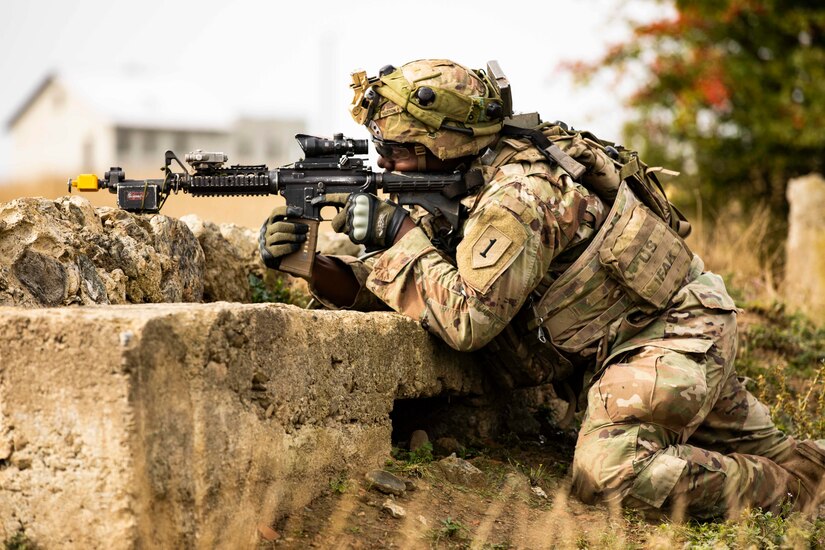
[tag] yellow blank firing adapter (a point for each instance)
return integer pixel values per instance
(85, 182)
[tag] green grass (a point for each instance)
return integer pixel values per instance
(339, 484)
(273, 289)
(784, 356)
(411, 463)
(451, 530)
(754, 529)
(19, 541)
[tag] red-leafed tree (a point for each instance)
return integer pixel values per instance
(732, 92)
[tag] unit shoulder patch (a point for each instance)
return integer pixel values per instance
(491, 244)
(489, 247)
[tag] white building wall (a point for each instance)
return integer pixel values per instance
(59, 136)
(62, 134)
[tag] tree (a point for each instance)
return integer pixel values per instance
(732, 92)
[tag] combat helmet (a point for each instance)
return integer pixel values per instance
(449, 109)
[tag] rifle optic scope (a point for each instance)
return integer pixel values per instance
(339, 145)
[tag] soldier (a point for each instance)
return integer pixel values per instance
(567, 275)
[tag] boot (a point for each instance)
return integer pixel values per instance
(807, 466)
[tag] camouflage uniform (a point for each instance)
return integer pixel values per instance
(668, 424)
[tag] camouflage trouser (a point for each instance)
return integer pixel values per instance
(675, 432)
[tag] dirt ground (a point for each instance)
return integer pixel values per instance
(520, 501)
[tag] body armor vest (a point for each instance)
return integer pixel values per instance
(635, 263)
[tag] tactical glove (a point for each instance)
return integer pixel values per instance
(367, 219)
(279, 237)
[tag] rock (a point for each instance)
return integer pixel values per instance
(21, 462)
(386, 482)
(538, 491)
(225, 265)
(447, 446)
(394, 509)
(804, 287)
(459, 471)
(410, 485)
(65, 252)
(418, 439)
(267, 532)
(6, 447)
(44, 277)
(423, 521)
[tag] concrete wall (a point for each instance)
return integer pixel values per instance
(187, 425)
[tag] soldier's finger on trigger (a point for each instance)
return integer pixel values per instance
(339, 221)
(337, 198)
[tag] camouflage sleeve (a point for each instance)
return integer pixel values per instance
(519, 224)
(364, 300)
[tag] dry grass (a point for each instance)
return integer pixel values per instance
(735, 246)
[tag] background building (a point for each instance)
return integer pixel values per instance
(76, 123)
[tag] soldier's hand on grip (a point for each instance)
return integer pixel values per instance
(279, 236)
(368, 220)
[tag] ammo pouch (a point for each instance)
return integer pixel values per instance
(635, 263)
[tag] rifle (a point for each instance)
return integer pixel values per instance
(328, 166)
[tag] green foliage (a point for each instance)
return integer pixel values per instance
(451, 529)
(411, 463)
(19, 541)
(754, 529)
(274, 290)
(785, 356)
(540, 475)
(730, 92)
(421, 455)
(339, 484)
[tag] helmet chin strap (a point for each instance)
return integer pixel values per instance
(421, 156)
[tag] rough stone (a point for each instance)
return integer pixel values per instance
(152, 430)
(386, 482)
(225, 267)
(64, 251)
(6, 447)
(418, 439)
(459, 471)
(267, 532)
(237, 248)
(394, 509)
(538, 491)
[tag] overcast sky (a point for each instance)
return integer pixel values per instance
(295, 57)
